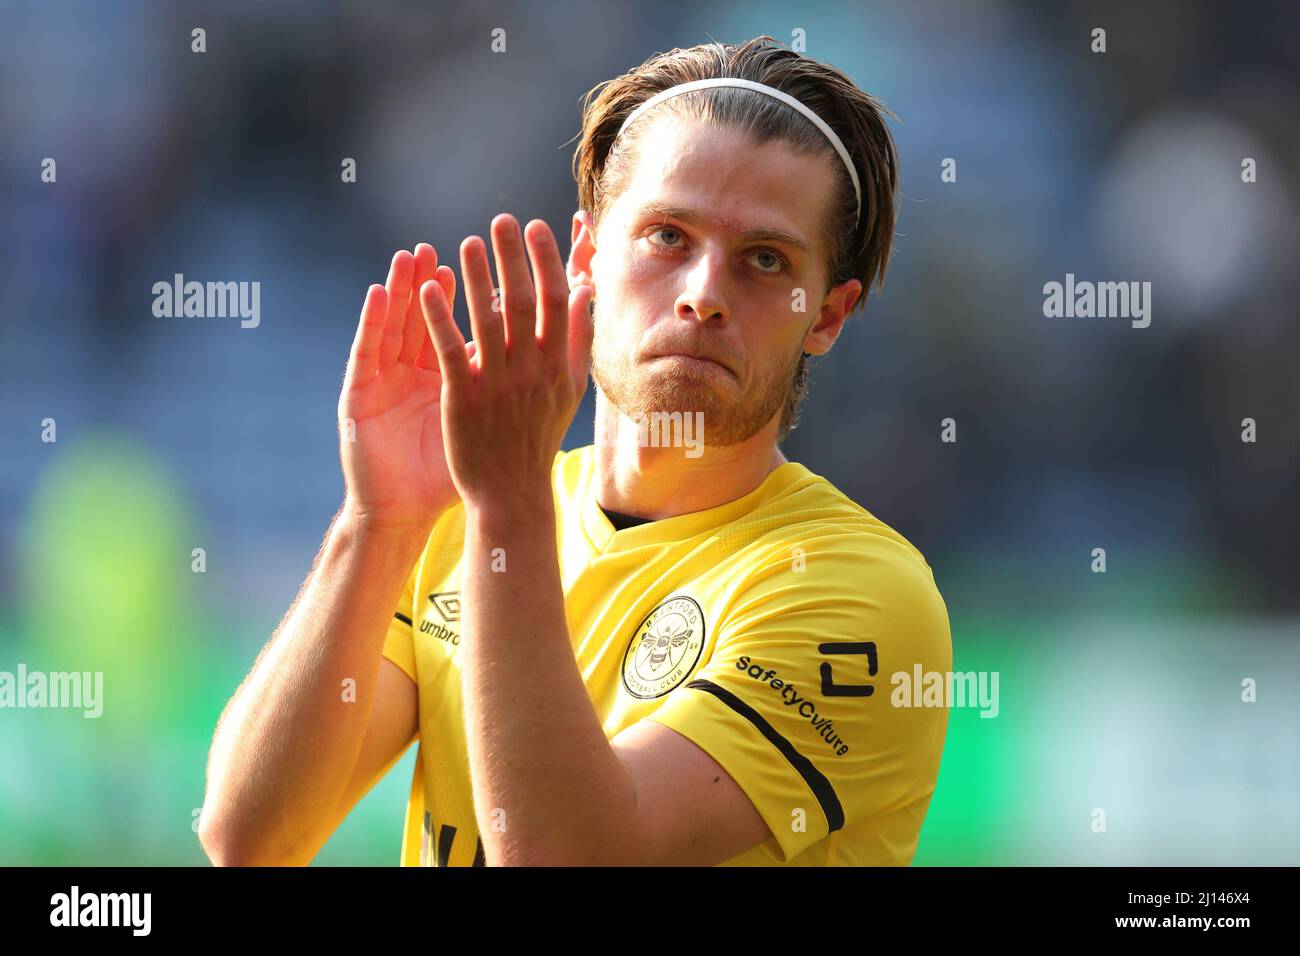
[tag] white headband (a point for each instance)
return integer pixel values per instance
(785, 98)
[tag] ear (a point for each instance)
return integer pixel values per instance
(830, 317)
(582, 250)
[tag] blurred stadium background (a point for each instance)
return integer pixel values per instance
(1119, 691)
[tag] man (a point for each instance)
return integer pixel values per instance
(626, 654)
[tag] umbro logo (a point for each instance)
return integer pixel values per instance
(447, 604)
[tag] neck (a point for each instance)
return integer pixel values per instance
(662, 482)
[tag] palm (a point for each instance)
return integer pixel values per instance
(399, 457)
(390, 410)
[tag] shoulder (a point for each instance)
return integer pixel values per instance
(813, 528)
(817, 562)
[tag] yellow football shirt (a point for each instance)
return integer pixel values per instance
(765, 630)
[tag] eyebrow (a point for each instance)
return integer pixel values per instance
(751, 235)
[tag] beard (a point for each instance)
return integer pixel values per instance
(638, 390)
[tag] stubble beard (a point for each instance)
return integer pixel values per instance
(637, 391)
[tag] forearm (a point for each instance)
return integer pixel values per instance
(288, 741)
(536, 748)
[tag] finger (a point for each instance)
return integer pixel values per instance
(552, 290)
(363, 361)
(398, 286)
(446, 277)
(518, 299)
(446, 337)
(582, 330)
(470, 351)
(414, 334)
(485, 324)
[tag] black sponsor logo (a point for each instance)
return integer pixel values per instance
(791, 697)
(832, 689)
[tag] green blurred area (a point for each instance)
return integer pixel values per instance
(109, 583)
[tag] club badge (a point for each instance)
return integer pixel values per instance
(664, 649)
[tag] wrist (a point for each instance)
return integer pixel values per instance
(365, 525)
(516, 514)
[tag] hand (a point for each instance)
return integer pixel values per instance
(505, 411)
(395, 470)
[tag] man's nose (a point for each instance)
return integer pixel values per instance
(704, 298)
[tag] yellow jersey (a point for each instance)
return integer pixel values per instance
(764, 630)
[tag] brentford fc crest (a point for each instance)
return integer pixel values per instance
(664, 649)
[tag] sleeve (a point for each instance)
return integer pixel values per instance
(399, 645)
(795, 699)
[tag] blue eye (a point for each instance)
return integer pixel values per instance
(776, 264)
(665, 229)
(778, 261)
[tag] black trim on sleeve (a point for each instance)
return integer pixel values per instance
(446, 836)
(403, 618)
(816, 780)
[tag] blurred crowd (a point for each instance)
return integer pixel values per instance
(1071, 433)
